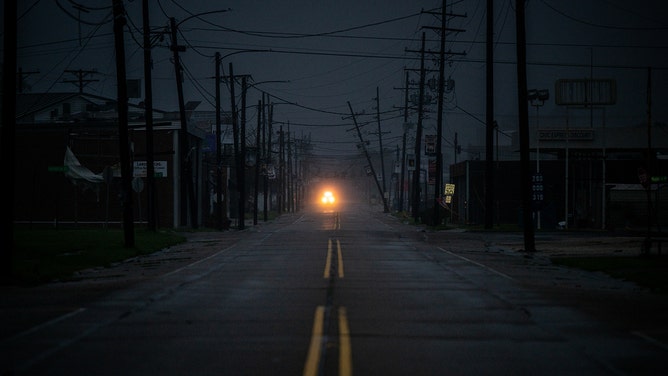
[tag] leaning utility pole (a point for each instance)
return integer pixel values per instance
(418, 139)
(368, 159)
(523, 113)
(123, 141)
(380, 142)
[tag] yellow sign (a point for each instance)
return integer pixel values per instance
(449, 189)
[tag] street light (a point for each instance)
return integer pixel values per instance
(537, 99)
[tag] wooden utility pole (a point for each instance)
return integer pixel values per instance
(403, 148)
(123, 141)
(650, 167)
(489, 118)
(81, 79)
(269, 160)
(8, 148)
(368, 159)
(241, 180)
(219, 159)
(183, 131)
(148, 116)
(235, 135)
(256, 180)
(418, 139)
(380, 143)
(523, 114)
(281, 180)
(439, 120)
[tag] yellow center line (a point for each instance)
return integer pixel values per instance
(337, 221)
(340, 258)
(345, 354)
(328, 262)
(313, 358)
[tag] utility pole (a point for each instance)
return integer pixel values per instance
(183, 131)
(269, 161)
(418, 139)
(439, 121)
(281, 179)
(219, 157)
(649, 168)
(403, 147)
(239, 135)
(489, 119)
(258, 156)
(290, 188)
(241, 181)
(123, 141)
(237, 152)
(368, 159)
(7, 146)
(523, 113)
(148, 117)
(380, 142)
(81, 79)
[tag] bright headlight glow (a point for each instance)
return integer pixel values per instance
(327, 198)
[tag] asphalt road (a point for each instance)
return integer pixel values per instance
(346, 291)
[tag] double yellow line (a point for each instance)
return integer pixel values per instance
(318, 337)
(337, 221)
(328, 261)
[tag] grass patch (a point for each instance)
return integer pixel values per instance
(46, 255)
(646, 271)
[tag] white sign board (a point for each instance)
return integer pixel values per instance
(159, 167)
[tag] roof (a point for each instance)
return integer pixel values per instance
(31, 103)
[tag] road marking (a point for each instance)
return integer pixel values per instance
(313, 358)
(315, 353)
(44, 325)
(340, 258)
(328, 261)
(479, 264)
(345, 354)
(337, 221)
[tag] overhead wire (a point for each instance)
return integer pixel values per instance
(600, 25)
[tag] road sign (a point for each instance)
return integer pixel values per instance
(537, 188)
(659, 179)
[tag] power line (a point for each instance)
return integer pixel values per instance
(613, 27)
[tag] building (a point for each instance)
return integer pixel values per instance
(593, 178)
(68, 163)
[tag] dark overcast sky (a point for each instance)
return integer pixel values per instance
(333, 52)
